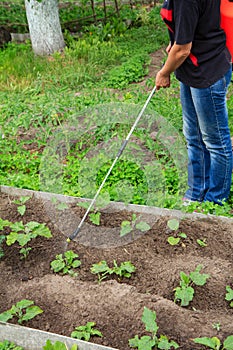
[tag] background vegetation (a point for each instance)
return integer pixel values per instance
(104, 61)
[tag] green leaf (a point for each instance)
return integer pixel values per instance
(22, 304)
(173, 240)
(70, 256)
(62, 206)
(23, 239)
(213, 343)
(173, 224)
(143, 343)
(39, 229)
(57, 264)
(229, 294)
(4, 223)
(11, 238)
(5, 316)
(185, 280)
(30, 313)
(17, 226)
(21, 209)
(184, 294)
(163, 343)
(148, 318)
(95, 218)
(228, 343)
(201, 243)
(182, 235)
(125, 228)
(56, 346)
(143, 226)
(198, 278)
(102, 266)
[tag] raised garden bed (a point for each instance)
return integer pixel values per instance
(116, 304)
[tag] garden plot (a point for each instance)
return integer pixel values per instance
(117, 302)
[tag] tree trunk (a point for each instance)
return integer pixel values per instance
(44, 26)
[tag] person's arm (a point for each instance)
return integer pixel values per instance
(176, 56)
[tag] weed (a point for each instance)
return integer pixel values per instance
(215, 343)
(202, 242)
(103, 270)
(149, 342)
(23, 310)
(86, 332)
(65, 263)
(185, 292)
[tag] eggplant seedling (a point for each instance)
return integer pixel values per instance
(149, 342)
(185, 292)
(129, 226)
(24, 310)
(86, 332)
(65, 263)
(21, 208)
(58, 345)
(229, 295)
(103, 270)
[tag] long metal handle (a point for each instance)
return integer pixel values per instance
(75, 233)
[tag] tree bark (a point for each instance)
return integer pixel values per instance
(44, 26)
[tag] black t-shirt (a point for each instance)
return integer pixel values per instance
(198, 21)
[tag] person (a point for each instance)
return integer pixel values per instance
(198, 55)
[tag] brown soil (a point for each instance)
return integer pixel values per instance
(116, 305)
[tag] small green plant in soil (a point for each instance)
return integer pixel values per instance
(185, 292)
(86, 332)
(215, 343)
(129, 226)
(103, 270)
(66, 263)
(152, 341)
(58, 345)
(173, 224)
(24, 233)
(8, 345)
(202, 242)
(24, 310)
(21, 207)
(229, 295)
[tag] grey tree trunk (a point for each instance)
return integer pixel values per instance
(44, 26)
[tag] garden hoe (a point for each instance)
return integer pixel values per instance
(75, 233)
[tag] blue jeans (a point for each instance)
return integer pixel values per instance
(205, 127)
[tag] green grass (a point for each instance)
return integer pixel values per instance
(43, 98)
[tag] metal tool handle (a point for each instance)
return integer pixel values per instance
(75, 233)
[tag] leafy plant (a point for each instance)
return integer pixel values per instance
(58, 345)
(21, 208)
(202, 242)
(86, 332)
(215, 343)
(23, 310)
(23, 234)
(185, 292)
(103, 270)
(229, 295)
(2, 240)
(149, 342)
(127, 226)
(65, 263)
(8, 345)
(174, 225)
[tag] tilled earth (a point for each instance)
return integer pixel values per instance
(116, 305)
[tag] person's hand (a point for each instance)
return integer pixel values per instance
(168, 49)
(162, 81)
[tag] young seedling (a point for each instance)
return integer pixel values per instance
(24, 311)
(173, 225)
(229, 295)
(185, 292)
(149, 342)
(58, 204)
(86, 332)
(58, 345)
(215, 343)
(129, 226)
(21, 204)
(216, 326)
(103, 270)
(202, 242)
(8, 345)
(25, 233)
(65, 263)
